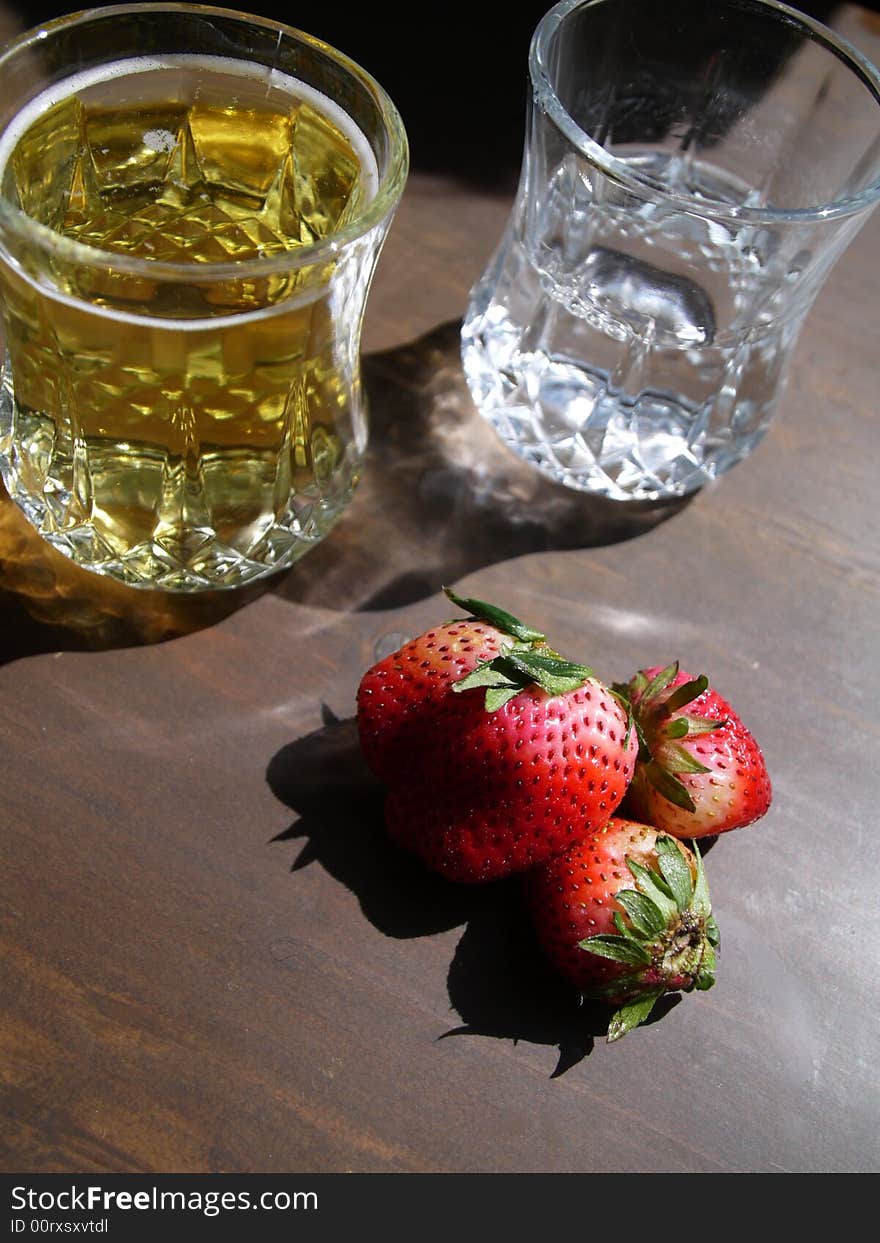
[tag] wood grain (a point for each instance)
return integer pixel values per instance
(213, 960)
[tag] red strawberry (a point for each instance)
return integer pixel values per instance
(624, 915)
(499, 769)
(700, 772)
(397, 697)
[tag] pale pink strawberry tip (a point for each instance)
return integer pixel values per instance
(668, 788)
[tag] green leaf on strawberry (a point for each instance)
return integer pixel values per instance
(644, 915)
(686, 692)
(632, 1014)
(526, 662)
(620, 948)
(483, 611)
(652, 887)
(667, 784)
(675, 871)
(491, 673)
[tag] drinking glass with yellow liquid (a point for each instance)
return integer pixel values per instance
(192, 202)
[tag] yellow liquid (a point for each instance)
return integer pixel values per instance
(183, 432)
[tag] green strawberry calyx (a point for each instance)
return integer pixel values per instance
(666, 935)
(655, 706)
(525, 661)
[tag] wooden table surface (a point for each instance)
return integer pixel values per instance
(212, 959)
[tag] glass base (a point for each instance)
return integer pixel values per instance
(175, 557)
(609, 431)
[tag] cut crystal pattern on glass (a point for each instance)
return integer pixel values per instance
(200, 184)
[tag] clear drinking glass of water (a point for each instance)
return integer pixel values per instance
(693, 169)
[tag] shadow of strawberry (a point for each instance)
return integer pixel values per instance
(323, 778)
(499, 984)
(501, 987)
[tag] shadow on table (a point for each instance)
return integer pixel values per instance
(498, 982)
(323, 778)
(501, 986)
(442, 496)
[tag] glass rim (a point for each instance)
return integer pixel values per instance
(388, 191)
(546, 96)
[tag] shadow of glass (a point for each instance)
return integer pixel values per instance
(442, 496)
(498, 982)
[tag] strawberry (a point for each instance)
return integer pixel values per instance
(496, 752)
(624, 916)
(398, 696)
(700, 772)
